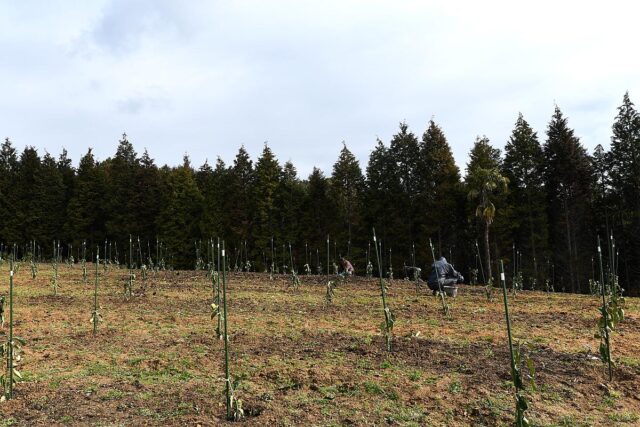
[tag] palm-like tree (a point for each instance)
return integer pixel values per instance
(483, 185)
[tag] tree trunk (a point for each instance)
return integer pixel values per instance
(532, 237)
(569, 245)
(487, 251)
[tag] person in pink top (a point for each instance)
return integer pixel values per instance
(348, 268)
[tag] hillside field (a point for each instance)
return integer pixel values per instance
(156, 359)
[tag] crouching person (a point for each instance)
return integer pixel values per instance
(443, 274)
(348, 269)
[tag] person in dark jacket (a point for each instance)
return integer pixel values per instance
(443, 274)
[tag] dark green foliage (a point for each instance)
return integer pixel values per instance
(318, 215)
(486, 197)
(347, 186)
(289, 199)
(559, 198)
(267, 180)
(403, 162)
(179, 218)
(568, 181)
(9, 165)
(49, 202)
(213, 184)
(122, 192)
(149, 188)
(86, 216)
(238, 204)
(527, 215)
(381, 195)
(440, 195)
(624, 189)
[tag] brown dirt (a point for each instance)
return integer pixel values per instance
(156, 360)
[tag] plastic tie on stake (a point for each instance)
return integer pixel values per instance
(501, 276)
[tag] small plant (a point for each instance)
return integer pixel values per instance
(105, 265)
(96, 317)
(516, 361)
(234, 405)
(217, 292)
(611, 311)
(548, 286)
(84, 271)
(12, 347)
(54, 277)
(517, 283)
(488, 289)
(128, 284)
(272, 267)
(199, 260)
(34, 269)
(330, 293)
(295, 280)
(369, 267)
(474, 276)
(416, 278)
(389, 318)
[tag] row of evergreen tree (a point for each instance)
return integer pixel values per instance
(559, 199)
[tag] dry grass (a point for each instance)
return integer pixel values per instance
(155, 360)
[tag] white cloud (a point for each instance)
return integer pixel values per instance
(206, 77)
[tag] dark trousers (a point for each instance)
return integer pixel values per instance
(443, 282)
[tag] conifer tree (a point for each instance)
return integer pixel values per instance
(289, 198)
(179, 219)
(239, 200)
(347, 185)
(50, 202)
(624, 166)
(568, 180)
(381, 184)
(67, 171)
(121, 192)
(213, 184)
(317, 211)
(85, 213)
(440, 196)
(9, 192)
(527, 215)
(145, 203)
(404, 150)
(267, 180)
(24, 219)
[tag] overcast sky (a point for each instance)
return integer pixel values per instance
(204, 77)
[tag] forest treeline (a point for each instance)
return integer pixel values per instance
(558, 199)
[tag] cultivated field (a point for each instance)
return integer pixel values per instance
(156, 359)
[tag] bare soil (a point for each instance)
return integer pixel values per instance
(156, 360)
